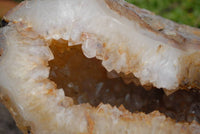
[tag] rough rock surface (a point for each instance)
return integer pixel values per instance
(7, 124)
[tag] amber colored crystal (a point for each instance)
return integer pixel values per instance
(86, 81)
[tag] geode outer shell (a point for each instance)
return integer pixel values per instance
(126, 39)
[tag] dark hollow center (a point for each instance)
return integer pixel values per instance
(86, 81)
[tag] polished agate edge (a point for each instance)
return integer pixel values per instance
(24, 79)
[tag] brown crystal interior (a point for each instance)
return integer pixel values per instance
(86, 81)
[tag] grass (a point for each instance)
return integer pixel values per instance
(181, 11)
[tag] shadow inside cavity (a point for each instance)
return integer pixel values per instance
(86, 81)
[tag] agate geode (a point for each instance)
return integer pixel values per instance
(99, 66)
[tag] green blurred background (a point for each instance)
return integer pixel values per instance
(181, 11)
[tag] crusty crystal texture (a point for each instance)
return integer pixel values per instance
(130, 43)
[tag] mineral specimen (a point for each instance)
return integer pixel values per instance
(83, 66)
